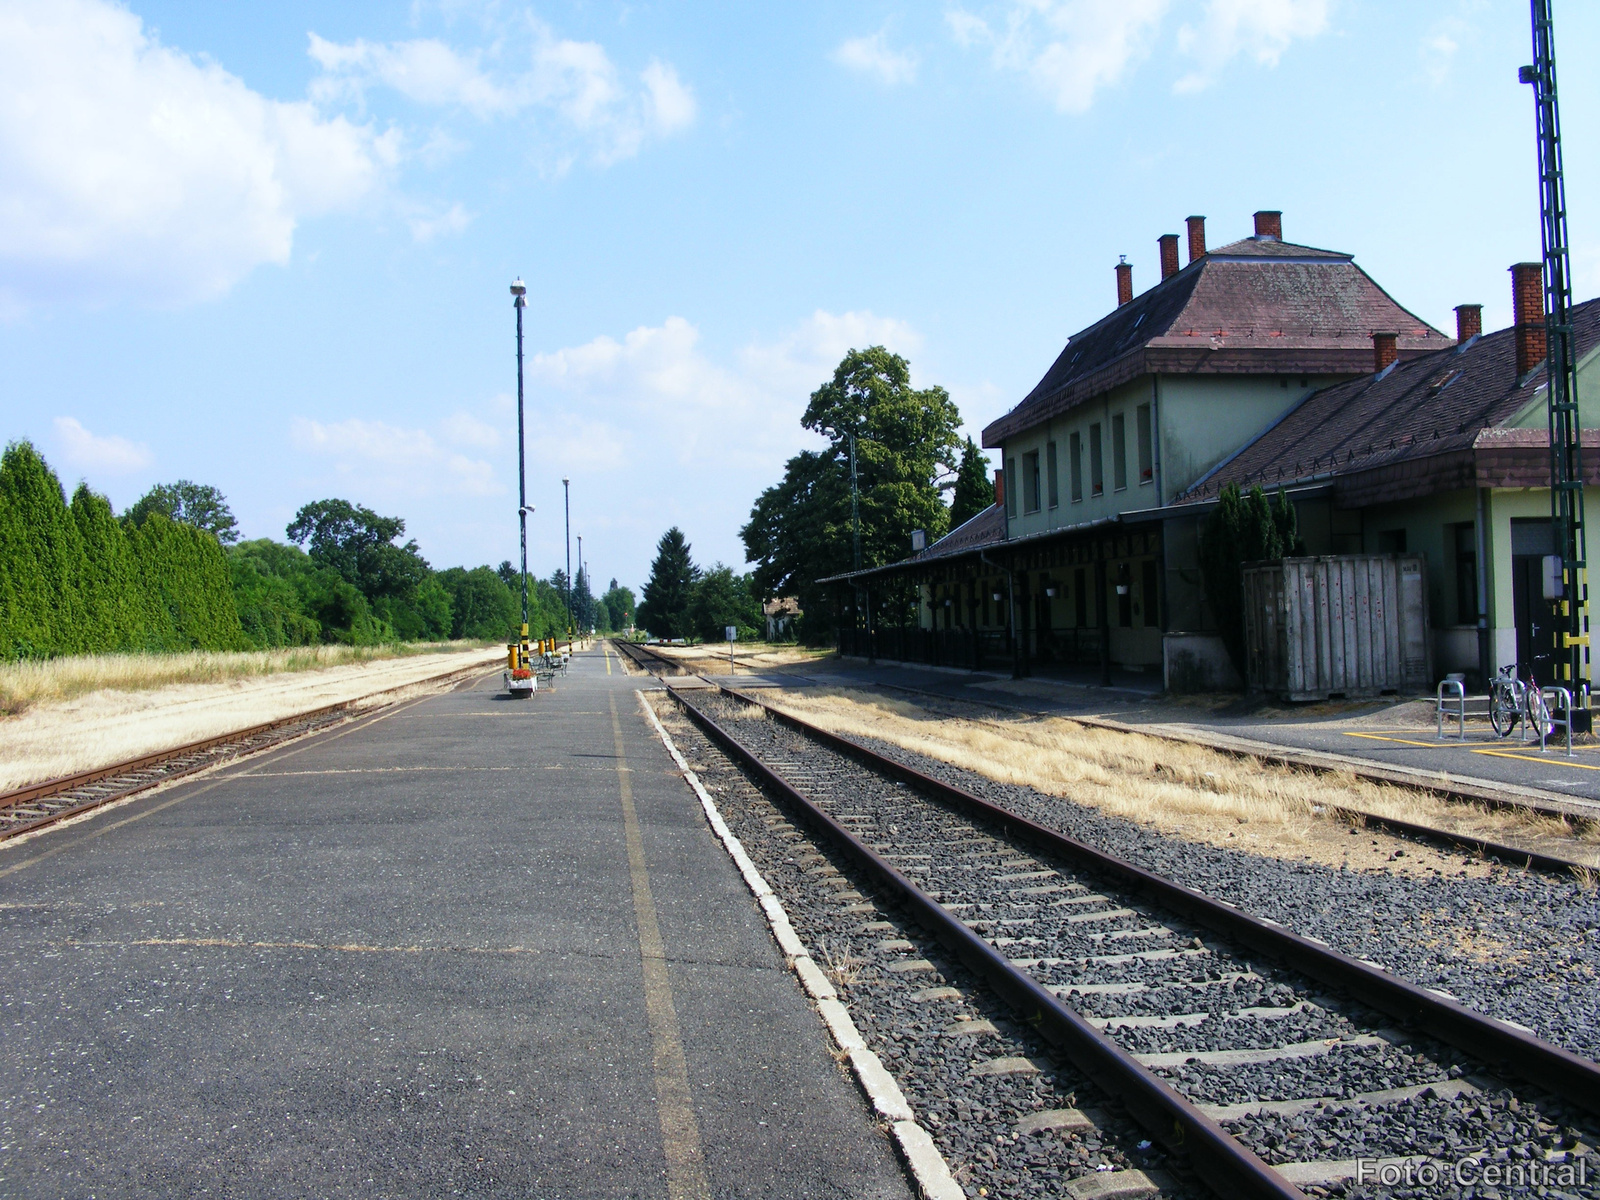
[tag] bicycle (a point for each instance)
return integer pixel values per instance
(1513, 702)
(1507, 701)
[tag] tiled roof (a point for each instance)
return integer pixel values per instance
(988, 528)
(1436, 403)
(1258, 305)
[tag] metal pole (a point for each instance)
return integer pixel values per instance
(1561, 367)
(580, 563)
(521, 302)
(566, 491)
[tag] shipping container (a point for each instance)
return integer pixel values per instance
(1342, 625)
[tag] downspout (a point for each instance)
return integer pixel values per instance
(1485, 636)
(1161, 502)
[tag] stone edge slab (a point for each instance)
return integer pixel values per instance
(927, 1166)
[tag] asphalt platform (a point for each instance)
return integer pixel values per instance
(471, 947)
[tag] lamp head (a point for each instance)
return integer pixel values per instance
(526, 510)
(518, 288)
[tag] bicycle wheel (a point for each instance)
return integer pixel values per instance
(1539, 723)
(1503, 714)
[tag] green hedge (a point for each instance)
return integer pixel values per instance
(74, 579)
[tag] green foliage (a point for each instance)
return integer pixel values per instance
(359, 544)
(664, 610)
(74, 579)
(801, 530)
(482, 606)
(973, 491)
(277, 588)
(195, 504)
(1242, 529)
(721, 598)
(583, 603)
(620, 607)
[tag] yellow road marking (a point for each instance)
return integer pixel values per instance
(606, 650)
(1379, 737)
(344, 947)
(680, 1132)
(1549, 762)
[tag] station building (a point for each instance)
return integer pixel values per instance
(1262, 362)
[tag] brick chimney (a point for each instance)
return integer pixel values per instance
(1527, 314)
(1469, 322)
(1124, 282)
(1384, 350)
(1269, 224)
(999, 487)
(1169, 254)
(1197, 238)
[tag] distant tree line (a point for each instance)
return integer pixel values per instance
(681, 600)
(171, 574)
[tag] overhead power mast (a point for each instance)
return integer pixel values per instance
(1566, 466)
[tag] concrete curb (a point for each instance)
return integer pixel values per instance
(928, 1167)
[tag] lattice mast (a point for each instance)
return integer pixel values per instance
(1566, 466)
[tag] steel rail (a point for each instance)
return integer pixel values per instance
(1486, 1038)
(34, 792)
(1224, 1163)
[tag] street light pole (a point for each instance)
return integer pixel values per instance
(566, 491)
(580, 561)
(519, 293)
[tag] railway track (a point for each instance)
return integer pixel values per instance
(1266, 1062)
(648, 660)
(30, 808)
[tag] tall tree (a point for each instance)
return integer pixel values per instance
(905, 442)
(197, 504)
(583, 614)
(722, 598)
(620, 605)
(359, 544)
(670, 587)
(973, 491)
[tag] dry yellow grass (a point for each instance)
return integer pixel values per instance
(1198, 793)
(24, 684)
(751, 658)
(124, 718)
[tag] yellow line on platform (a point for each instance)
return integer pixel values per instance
(1549, 762)
(1379, 737)
(680, 1132)
(607, 652)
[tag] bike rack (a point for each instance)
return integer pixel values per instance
(1562, 695)
(1452, 691)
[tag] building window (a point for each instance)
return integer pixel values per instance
(1030, 481)
(1147, 445)
(1097, 470)
(1119, 453)
(1051, 475)
(1009, 487)
(1075, 452)
(1466, 546)
(1150, 600)
(1392, 541)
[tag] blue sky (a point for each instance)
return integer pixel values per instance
(267, 247)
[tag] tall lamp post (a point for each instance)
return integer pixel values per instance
(580, 561)
(519, 292)
(566, 493)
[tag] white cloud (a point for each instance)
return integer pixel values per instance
(1262, 29)
(872, 56)
(610, 113)
(429, 225)
(1072, 49)
(131, 169)
(1069, 48)
(91, 452)
(387, 460)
